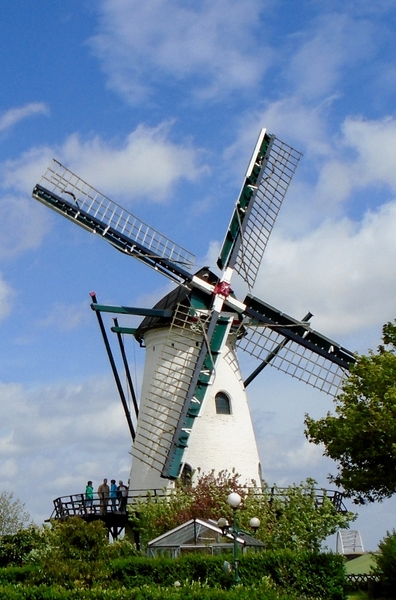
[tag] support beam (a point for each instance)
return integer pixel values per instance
(132, 310)
(127, 371)
(114, 369)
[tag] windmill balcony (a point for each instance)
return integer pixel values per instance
(113, 511)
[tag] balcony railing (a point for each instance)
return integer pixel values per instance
(80, 505)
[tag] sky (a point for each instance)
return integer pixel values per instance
(158, 104)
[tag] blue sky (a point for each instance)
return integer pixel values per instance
(158, 105)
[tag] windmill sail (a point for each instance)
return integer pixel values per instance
(267, 179)
(159, 415)
(294, 347)
(68, 194)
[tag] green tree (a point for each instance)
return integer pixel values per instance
(386, 564)
(361, 436)
(290, 518)
(154, 515)
(16, 547)
(12, 514)
(74, 553)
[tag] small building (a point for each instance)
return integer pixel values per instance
(199, 535)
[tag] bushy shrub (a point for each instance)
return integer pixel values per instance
(165, 571)
(14, 548)
(386, 564)
(185, 591)
(16, 575)
(307, 574)
(310, 574)
(74, 554)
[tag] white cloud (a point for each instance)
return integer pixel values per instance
(6, 295)
(343, 272)
(15, 115)
(325, 50)
(214, 45)
(375, 144)
(62, 428)
(64, 317)
(22, 225)
(363, 156)
(146, 164)
(8, 469)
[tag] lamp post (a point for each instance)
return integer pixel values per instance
(234, 500)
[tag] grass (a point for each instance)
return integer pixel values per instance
(360, 565)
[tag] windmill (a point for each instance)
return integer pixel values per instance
(193, 411)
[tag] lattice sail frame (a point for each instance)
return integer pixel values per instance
(274, 180)
(293, 359)
(159, 414)
(89, 201)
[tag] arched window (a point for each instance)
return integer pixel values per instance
(186, 475)
(223, 404)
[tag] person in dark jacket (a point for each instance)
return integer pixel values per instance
(122, 494)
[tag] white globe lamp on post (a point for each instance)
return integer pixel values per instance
(234, 500)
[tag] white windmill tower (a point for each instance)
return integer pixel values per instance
(221, 436)
(193, 410)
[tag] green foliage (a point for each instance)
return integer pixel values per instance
(14, 548)
(290, 518)
(386, 564)
(187, 591)
(16, 575)
(12, 514)
(165, 571)
(75, 554)
(361, 436)
(306, 573)
(154, 515)
(273, 575)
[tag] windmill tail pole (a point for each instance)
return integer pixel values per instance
(127, 371)
(271, 355)
(113, 367)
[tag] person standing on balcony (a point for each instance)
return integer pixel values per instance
(122, 493)
(103, 493)
(113, 495)
(89, 496)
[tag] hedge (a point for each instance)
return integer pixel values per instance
(299, 574)
(306, 573)
(184, 592)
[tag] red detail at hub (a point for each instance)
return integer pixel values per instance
(223, 288)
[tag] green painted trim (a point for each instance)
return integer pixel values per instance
(130, 330)
(242, 204)
(196, 398)
(132, 310)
